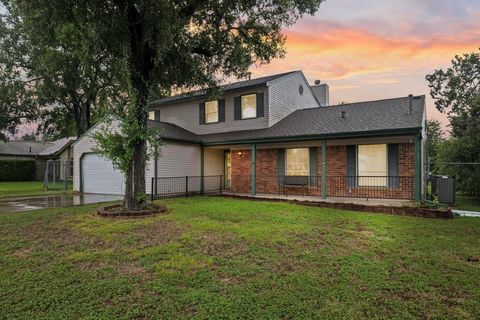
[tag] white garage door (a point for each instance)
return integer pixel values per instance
(99, 176)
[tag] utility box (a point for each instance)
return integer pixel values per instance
(444, 188)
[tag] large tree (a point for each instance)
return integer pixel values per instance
(456, 91)
(50, 71)
(164, 45)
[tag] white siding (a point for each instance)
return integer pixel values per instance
(186, 115)
(84, 144)
(285, 97)
(175, 160)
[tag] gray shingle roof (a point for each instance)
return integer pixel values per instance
(240, 85)
(23, 148)
(360, 118)
(57, 146)
(173, 132)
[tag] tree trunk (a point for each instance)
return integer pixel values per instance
(81, 114)
(142, 55)
(128, 199)
(138, 164)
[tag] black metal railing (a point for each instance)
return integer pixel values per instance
(169, 187)
(383, 187)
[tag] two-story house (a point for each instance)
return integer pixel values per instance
(275, 134)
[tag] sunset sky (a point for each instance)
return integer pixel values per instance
(372, 49)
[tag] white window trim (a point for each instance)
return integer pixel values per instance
(241, 106)
(151, 115)
(207, 113)
(308, 163)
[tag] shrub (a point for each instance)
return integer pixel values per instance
(17, 170)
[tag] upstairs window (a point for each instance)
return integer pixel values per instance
(151, 115)
(297, 162)
(211, 111)
(249, 106)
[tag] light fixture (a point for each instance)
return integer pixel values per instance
(239, 153)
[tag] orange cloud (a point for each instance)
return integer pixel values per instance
(360, 64)
(337, 52)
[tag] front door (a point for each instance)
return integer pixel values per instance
(228, 170)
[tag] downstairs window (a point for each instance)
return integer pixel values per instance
(372, 165)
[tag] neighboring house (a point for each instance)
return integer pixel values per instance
(25, 150)
(37, 151)
(277, 134)
(62, 151)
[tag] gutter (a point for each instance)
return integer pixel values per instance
(362, 134)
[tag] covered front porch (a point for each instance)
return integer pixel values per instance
(356, 169)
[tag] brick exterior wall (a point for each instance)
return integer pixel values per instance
(267, 172)
(241, 164)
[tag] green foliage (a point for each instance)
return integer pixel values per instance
(220, 258)
(29, 137)
(434, 140)
(456, 91)
(457, 156)
(17, 170)
(160, 46)
(50, 72)
(119, 145)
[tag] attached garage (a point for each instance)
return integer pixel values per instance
(94, 174)
(99, 176)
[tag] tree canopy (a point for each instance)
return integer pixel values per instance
(456, 91)
(434, 141)
(50, 72)
(170, 45)
(120, 53)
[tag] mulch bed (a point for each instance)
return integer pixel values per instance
(426, 212)
(118, 211)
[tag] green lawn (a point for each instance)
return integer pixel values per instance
(467, 203)
(219, 258)
(29, 188)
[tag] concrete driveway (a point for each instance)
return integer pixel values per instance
(8, 205)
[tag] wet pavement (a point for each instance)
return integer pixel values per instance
(52, 201)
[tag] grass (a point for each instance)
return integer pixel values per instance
(29, 188)
(219, 258)
(467, 203)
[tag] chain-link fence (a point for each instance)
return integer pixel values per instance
(58, 175)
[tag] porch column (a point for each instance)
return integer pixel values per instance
(418, 167)
(202, 169)
(324, 169)
(254, 169)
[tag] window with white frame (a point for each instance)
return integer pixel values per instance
(211, 111)
(372, 165)
(249, 106)
(297, 162)
(151, 115)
